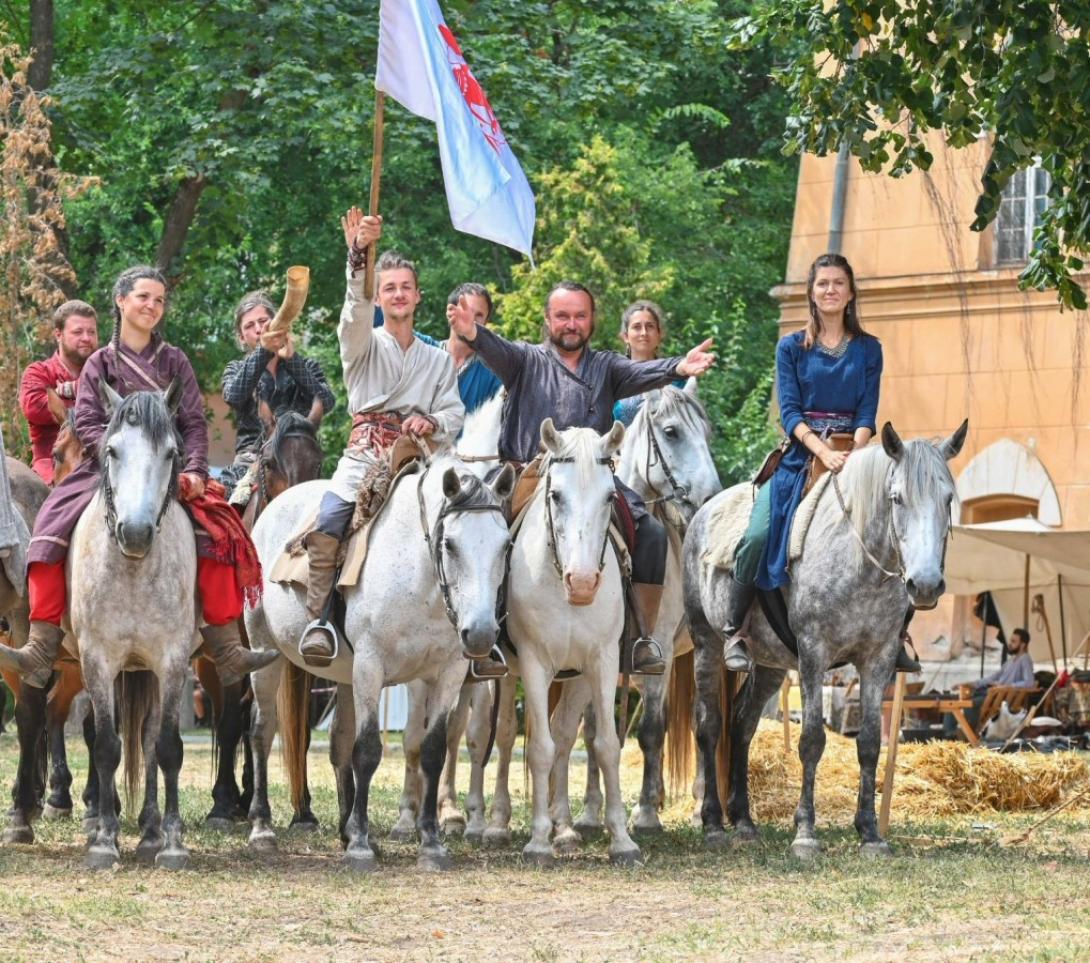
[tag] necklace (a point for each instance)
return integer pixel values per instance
(838, 349)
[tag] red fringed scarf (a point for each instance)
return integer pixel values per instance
(231, 543)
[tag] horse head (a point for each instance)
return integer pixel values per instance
(579, 492)
(68, 451)
(666, 455)
(141, 457)
(469, 542)
(921, 495)
(291, 453)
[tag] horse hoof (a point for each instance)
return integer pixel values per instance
(541, 858)
(219, 824)
(744, 836)
(17, 836)
(496, 836)
(474, 836)
(435, 860)
(305, 826)
(647, 829)
(399, 834)
(454, 825)
(52, 812)
(805, 849)
(263, 842)
(90, 824)
(567, 842)
(878, 850)
(102, 857)
(589, 830)
(716, 839)
(172, 859)
(148, 849)
(626, 857)
(361, 860)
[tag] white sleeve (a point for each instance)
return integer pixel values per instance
(357, 320)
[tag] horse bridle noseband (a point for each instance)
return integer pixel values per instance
(434, 540)
(111, 507)
(551, 525)
(679, 493)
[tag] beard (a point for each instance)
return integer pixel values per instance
(568, 340)
(75, 357)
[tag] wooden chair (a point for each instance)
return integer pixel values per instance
(1016, 698)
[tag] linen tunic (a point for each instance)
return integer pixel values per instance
(813, 380)
(125, 371)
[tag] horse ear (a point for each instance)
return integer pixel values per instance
(952, 446)
(891, 442)
(173, 395)
(612, 442)
(691, 388)
(110, 398)
(504, 484)
(549, 437)
(265, 416)
(452, 484)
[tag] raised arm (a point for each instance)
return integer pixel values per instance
(504, 357)
(241, 377)
(357, 313)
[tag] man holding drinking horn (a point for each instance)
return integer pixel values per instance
(271, 379)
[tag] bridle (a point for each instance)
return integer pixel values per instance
(266, 456)
(551, 525)
(679, 493)
(434, 540)
(111, 507)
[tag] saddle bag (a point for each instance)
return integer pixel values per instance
(838, 441)
(771, 463)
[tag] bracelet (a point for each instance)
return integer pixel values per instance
(802, 440)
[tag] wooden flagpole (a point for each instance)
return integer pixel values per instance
(891, 753)
(376, 189)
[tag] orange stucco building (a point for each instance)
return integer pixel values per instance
(959, 339)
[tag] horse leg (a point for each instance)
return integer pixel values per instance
(433, 855)
(708, 660)
(151, 818)
(247, 795)
(760, 686)
(652, 737)
(30, 716)
(226, 798)
(565, 725)
(451, 818)
(408, 806)
(602, 679)
(90, 790)
(340, 755)
(477, 734)
(102, 850)
(540, 754)
(872, 683)
(67, 686)
(498, 831)
(811, 747)
(360, 853)
(263, 722)
(589, 823)
(168, 750)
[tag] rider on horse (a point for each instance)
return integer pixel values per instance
(577, 386)
(396, 385)
(642, 328)
(274, 378)
(136, 359)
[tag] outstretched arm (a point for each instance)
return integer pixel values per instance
(504, 357)
(357, 314)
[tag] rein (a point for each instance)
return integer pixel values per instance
(679, 492)
(551, 525)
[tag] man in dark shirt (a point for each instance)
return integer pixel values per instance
(273, 374)
(575, 385)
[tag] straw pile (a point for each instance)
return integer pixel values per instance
(933, 779)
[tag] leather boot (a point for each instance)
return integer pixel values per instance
(735, 655)
(494, 667)
(317, 647)
(646, 653)
(906, 662)
(34, 661)
(233, 660)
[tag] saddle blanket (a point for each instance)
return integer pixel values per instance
(730, 519)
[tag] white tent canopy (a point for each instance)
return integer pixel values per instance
(992, 557)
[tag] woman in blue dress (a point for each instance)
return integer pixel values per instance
(642, 330)
(827, 380)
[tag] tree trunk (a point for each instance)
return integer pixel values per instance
(41, 41)
(179, 218)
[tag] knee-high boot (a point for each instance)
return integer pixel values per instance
(735, 655)
(318, 644)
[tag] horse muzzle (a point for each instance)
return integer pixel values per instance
(479, 638)
(134, 538)
(925, 592)
(582, 587)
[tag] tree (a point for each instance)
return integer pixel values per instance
(34, 272)
(877, 75)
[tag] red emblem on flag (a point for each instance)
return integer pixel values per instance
(472, 91)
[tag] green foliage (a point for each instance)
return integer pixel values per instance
(878, 76)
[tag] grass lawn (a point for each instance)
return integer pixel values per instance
(952, 892)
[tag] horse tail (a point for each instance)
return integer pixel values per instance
(135, 694)
(728, 685)
(293, 707)
(680, 744)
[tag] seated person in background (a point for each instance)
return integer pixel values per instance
(1017, 671)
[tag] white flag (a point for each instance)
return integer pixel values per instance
(420, 64)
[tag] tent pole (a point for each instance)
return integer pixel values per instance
(1063, 624)
(984, 632)
(1025, 598)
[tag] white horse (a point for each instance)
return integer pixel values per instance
(132, 572)
(425, 602)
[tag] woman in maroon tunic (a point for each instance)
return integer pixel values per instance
(136, 359)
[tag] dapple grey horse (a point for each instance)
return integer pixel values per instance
(132, 572)
(876, 543)
(425, 602)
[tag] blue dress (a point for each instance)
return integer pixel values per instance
(810, 381)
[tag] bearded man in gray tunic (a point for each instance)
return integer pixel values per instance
(575, 385)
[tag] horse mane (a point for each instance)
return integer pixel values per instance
(676, 401)
(291, 424)
(480, 432)
(580, 445)
(148, 411)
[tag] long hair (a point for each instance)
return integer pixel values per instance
(124, 285)
(851, 313)
(635, 308)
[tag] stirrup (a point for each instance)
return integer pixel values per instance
(320, 625)
(496, 655)
(737, 640)
(654, 648)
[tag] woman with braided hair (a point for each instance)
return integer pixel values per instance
(138, 359)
